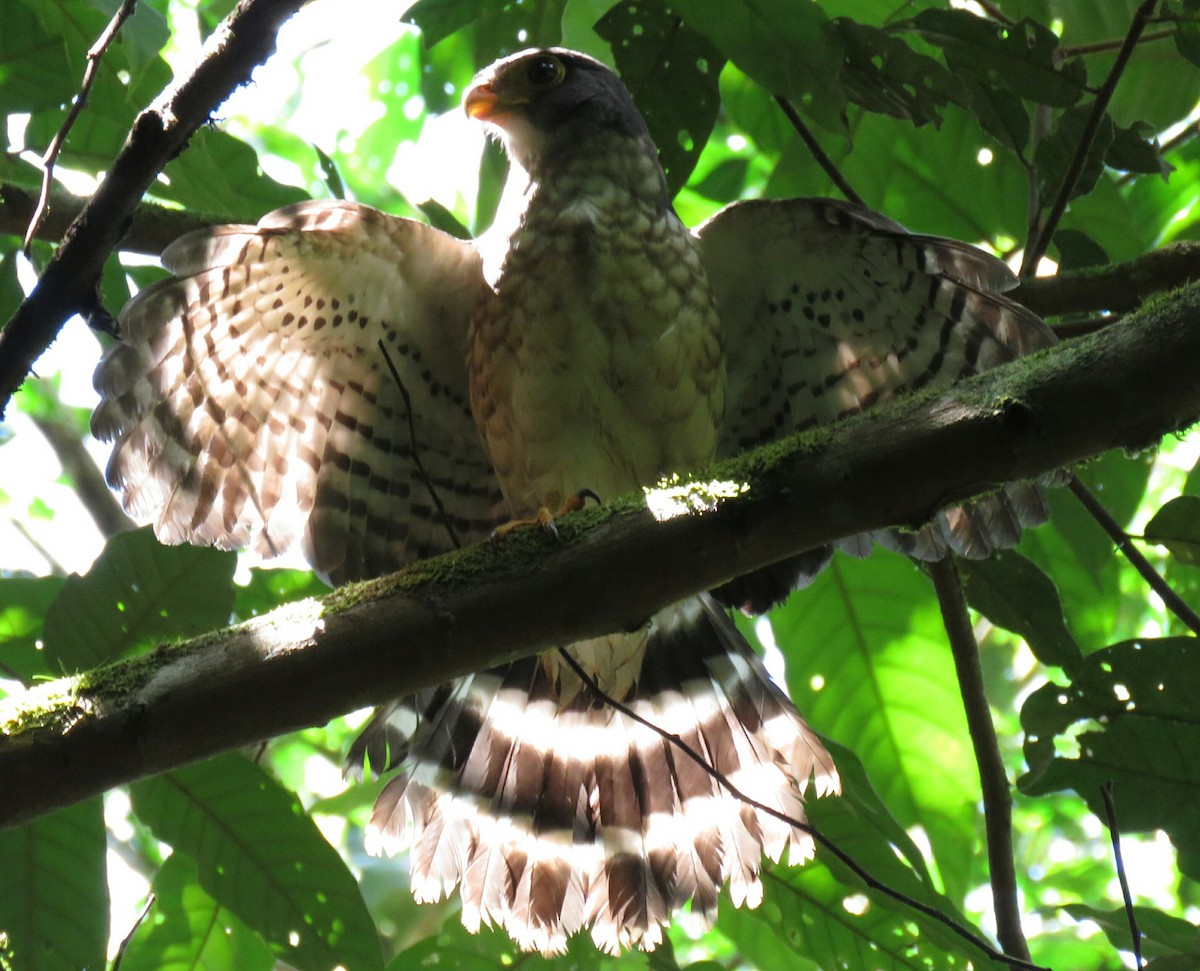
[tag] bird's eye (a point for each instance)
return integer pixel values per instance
(544, 72)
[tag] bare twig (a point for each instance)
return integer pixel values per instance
(158, 134)
(56, 568)
(151, 228)
(1041, 241)
(1124, 542)
(1110, 813)
(94, 56)
(90, 487)
(805, 827)
(997, 794)
(1079, 328)
(826, 163)
(416, 451)
(993, 10)
(141, 918)
(1112, 44)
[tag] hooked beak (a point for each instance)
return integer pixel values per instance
(482, 102)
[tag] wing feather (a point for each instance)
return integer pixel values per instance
(251, 404)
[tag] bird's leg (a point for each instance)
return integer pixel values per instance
(545, 518)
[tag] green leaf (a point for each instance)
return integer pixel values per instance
(868, 666)
(1131, 711)
(884, 74)
(186, 930)
(54, 907)
(791, 49)
(672, 73)
(1056, 152)
(1020, 57)
(260, 856)
(268, 588)
(1078, 250)
(1014, 594)
(220, 175)
(1162, 934)
(137, 591)
(24, 601)
(34, 72)
(438, 19)
(1136, 149)
(1177, 527)
(1187, 41)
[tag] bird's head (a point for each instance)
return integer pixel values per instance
(541, 102)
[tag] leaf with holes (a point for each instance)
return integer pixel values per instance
(259, 855)
(672, 73)
(1131, 710)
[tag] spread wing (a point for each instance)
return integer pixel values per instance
(251, 403)
(829, 308)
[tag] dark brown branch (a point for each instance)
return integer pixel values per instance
(1118, 287)
(95, 55)
(151, 228)
(1112, 44)
(1122, 388)
(830, 846)
(90, 487)
(818, 153)
(1110, 812)
(158, 135)
(997, 793)
(1041, 241)
(1124, 542)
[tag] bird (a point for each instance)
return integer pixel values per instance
(369, 390)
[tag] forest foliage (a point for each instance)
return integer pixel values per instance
(955, 122)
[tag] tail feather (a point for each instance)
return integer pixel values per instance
(557, 813)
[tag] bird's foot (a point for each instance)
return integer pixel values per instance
(545, 518)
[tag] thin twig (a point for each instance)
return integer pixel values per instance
(116, 965)
(94, 56)
(99, 501)
(1038, 245)
(416, 452)
(56, 568)
(805, 827)
(1124, 542)
(818, 152)
(1081, 328)
(1110, 813)
(994, 11)
(997, 794)
(1112, 44)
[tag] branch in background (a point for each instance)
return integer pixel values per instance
(1171, 600)
(301, 665)
(1041, 242)
(158, 135)
(993, 780)
(152, 227)
(818, 153)
(1110, 813)
(94, 56)
(1117, 287)
(89, 484)
(1100, 46)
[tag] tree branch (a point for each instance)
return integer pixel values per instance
(301, 665)
(1117, 287)
(151, 227)
(997, 793)
(158, 135)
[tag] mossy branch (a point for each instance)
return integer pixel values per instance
(1123, 387)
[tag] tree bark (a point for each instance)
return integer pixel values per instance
(1123, 387)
